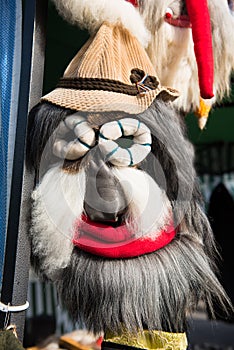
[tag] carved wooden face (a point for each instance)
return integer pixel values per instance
(108, 179)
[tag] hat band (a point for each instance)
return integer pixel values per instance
(106, 85)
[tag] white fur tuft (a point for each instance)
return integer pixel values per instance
(90, 15)
(57, 203)
(149, 207)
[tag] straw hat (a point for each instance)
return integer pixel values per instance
(111, 72)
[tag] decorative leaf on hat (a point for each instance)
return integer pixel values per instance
(143, 80)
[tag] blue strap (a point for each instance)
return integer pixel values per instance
(10, 53)
(9, 275)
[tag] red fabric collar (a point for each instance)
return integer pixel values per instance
(110, 242)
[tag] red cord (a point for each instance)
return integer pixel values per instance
(201, 29)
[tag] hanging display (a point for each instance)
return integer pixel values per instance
(117, 222)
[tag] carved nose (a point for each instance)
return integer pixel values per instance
(104, 197)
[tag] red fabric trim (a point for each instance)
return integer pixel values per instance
(96, 240)
(99, 341)
(133, 2)
(201, 29)
(183, 21)
(103, 232)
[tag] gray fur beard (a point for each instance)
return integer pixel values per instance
(154, 291)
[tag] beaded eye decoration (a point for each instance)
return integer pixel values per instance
(125, 142)
(74, 138)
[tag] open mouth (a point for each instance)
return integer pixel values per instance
(117, 242)
(109, 232)
(182, 21)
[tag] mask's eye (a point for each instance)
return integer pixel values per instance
(125, 142)
(74, 138)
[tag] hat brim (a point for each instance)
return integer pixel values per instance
(107, 101)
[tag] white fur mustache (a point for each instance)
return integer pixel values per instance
(58, 201)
